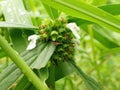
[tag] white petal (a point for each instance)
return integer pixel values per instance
(33, 37)
(74, 28)
(32, 44)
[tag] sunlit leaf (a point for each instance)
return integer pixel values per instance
(85, 11)
(14, 12)
(99, 2)
(44, 56)
(15, 25)
(113, 9)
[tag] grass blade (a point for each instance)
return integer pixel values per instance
(90, 83)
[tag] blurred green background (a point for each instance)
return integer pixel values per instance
(93, 57)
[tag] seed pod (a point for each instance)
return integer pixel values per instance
(62, 30)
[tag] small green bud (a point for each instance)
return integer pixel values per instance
(54, 33)
(60, 58)
(61, 30)
(46, 21)
(60, 49)
(65, 54)
(44, 36)
(54, 38)
(42, 31)
(60, 38)
(66, 45)
(55, 57)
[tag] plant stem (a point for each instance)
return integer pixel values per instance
(92, 43)
(93, 50)
(15, 57)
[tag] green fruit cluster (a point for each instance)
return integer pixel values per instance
(56, 32)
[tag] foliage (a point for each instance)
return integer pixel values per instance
(57, 61)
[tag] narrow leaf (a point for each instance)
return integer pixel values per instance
(85, 11)
(90, 83)
(53, 13)
(111, 51)
(62, 69)
(15, 25)
(113, 9)
(15, 12)
(22, 84)
(44, 56)
(101, 36)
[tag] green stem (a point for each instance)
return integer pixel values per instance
(93, 50)
(92, 42)
(22, 65)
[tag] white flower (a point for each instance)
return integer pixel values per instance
(74, 28)
(32, 39)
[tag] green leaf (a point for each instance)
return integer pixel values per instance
(51, 79)
(53, 13)
(102, 35)
(17, 25)
(113, 9)
(85, 11)
(42, 73)
(99, 2)
(31, 58)
(23, 84)
(15, 12)
(111, 51)
(6, 77)
(19, 39)
(58, 71)
(2, 54)
(15, 15)
(44, 56)
(90, 83)
(62, 69)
